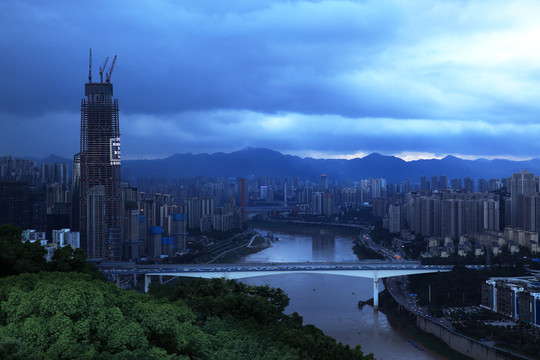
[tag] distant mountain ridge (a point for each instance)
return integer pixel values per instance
(265, 162)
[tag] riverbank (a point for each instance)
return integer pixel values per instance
(407, 323)
(236, 255)
(283, 225)
(401, 321)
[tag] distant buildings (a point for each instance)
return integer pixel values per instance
(61, 238)
(15, 204)
(452, 214)
(324, 183)
(522, 186)
(394, 214)
(65, 237)
(155, 219)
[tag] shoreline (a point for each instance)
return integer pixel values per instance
(401, 322)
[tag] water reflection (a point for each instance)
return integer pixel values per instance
(323, 247)
(305, 246)
(330, 302)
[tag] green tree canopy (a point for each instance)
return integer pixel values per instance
(17, 257)
(70, 316)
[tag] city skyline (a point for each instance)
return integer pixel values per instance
(329, 79)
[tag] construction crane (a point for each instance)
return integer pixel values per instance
(90, 68)
(102, 69)
(109, 73)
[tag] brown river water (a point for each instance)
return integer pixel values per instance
(330, 302)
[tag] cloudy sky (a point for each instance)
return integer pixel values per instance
(312, 78)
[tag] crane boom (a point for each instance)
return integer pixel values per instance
(109, 73)
(90, 68)
(102, 69)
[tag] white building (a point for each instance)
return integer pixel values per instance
(66, 237)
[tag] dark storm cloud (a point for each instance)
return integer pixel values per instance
(335, 77)
(214, 131)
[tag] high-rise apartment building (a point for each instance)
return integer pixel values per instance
(455, 184)
(100, 187)
(521, 185)
(468, 185)
(324, 183)
(394, 214)
(443, 182)
(424, 183)
(452, 214)
(483, 185)
(434, 183)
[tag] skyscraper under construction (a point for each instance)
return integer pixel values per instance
(100, 187)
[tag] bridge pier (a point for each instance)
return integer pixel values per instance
(375, 292)
(135, 279)
(147, 281)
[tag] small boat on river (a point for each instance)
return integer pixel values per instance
(415, 344)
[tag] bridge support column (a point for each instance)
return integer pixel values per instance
(117, 280)
(135, 279)
(147, 281)
(161, 279)
(375, 292)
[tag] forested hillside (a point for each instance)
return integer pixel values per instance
(65, 310)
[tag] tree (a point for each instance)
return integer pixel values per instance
(16, 256)
(66, 259)
(248, 322)
(69, 315)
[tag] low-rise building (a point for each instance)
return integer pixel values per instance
(516, 298)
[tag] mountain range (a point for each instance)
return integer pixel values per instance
(265, 162)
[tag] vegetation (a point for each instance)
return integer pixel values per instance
(236, 255)
(65, 310)
(381, 235)
(364, 252)
(522, 338)
(459, 287)
(255, 315)
(359, 214)
(71, 316)
(462, 288)
(17, 257)
(293, 227)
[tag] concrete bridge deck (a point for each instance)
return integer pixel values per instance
(366, 269)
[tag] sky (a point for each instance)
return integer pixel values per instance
(325, 79)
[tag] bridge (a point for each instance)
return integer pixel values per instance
(366, 269)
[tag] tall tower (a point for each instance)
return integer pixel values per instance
(324, 183)
(522, 184)
(100, 187)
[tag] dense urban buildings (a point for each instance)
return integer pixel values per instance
(156, 217)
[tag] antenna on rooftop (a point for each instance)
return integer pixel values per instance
(90, 68)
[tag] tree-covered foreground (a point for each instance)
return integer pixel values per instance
(64, 310)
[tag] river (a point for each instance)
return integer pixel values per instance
(330, 302)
